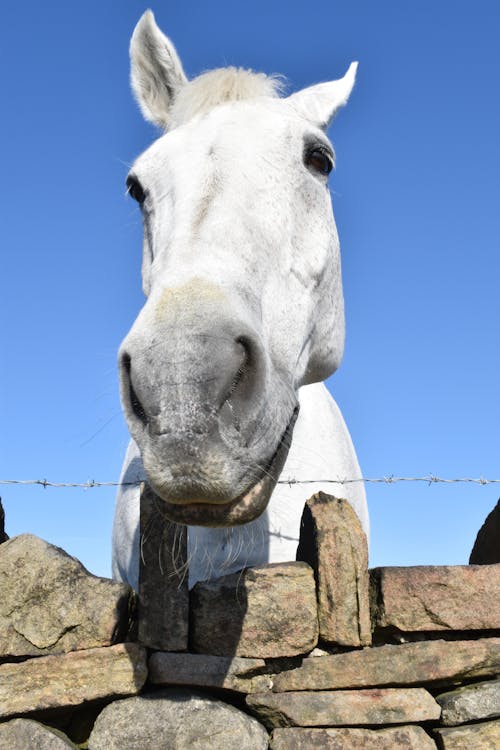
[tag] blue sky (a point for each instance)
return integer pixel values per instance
(416, 199)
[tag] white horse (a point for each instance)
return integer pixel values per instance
(221, 372)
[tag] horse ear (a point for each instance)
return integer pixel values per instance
(319, 104)
(156, 72)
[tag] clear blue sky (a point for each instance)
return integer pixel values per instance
(416, 197)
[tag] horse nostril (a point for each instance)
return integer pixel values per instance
(134, 401)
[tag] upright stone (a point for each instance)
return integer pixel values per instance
(163, 578)
(334, 544)
(263, 612)
(3, 535)
(486, 548)
(441, 597)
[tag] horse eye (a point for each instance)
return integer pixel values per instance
(319, 160)
(134, 189)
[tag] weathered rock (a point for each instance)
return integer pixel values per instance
(486, 548)
(268, 611)
(177, 719)
(478, 701)
(71, 679)
(163, 578)
(428, 598)
(25, 734)
(396, 738)
(201, 670)
(424, 662)
(344, 707)
(51, 604)
(483, 736)
(334, 544)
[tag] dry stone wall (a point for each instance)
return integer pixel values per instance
(317, 653)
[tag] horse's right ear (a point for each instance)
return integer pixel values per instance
(156, 72)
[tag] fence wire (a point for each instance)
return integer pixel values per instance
(430, 479)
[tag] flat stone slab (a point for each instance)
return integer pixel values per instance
(483, 736)
(424, 662)
(478, 701)
(430, 598)
(264, 612)
(201, 670)
(397, 738)
(344, 707)
(175, 718)
(332, 541)
(71, 679)
(51, 604)
(24, 734)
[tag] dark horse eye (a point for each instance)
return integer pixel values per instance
(319, 160)
(134, 189)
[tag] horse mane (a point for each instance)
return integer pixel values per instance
(219, 86)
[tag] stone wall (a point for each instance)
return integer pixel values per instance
(317, 653)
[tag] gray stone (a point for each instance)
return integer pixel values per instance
(478, 701)
(175, 718)
(486, 548)
(344, 707)
(425, 662)
(396, 738)
(264, 612)
(483, 736)
(334, 544)
(163, 578)
(25, 734)
(51, 604)
(71, 679)
(200, 670)
(440, 597)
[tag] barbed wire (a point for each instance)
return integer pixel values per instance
(391, 479)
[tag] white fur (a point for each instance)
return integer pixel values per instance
(241, 266)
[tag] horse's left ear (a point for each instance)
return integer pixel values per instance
(319, 104)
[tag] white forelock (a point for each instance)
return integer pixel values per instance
(219, 86)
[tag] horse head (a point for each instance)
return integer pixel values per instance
(241, 270)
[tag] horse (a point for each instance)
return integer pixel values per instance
(221, 374)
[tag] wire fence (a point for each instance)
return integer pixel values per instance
(429, 479)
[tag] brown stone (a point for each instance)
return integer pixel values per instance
(163, 578)
(71, 679)
(470, 703)
(424, 662)
(51, 604)
(334, 544)
(262, 612)
(483, 736)
(395, 738)
(486, 548)
(201, 670)
(344, 707)
(429, 598)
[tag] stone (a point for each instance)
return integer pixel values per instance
(71, 679)
(486, 549)
(201, 670)
(430, 598)
(24, 734)
(478, 701)
(163, 578)
(334, 544)
(344, 707)
(483, 736)
(175, 718)
(425, 662)
(51, 604)
(263, 612)
(395, 738)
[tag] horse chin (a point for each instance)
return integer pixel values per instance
(249, 505)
